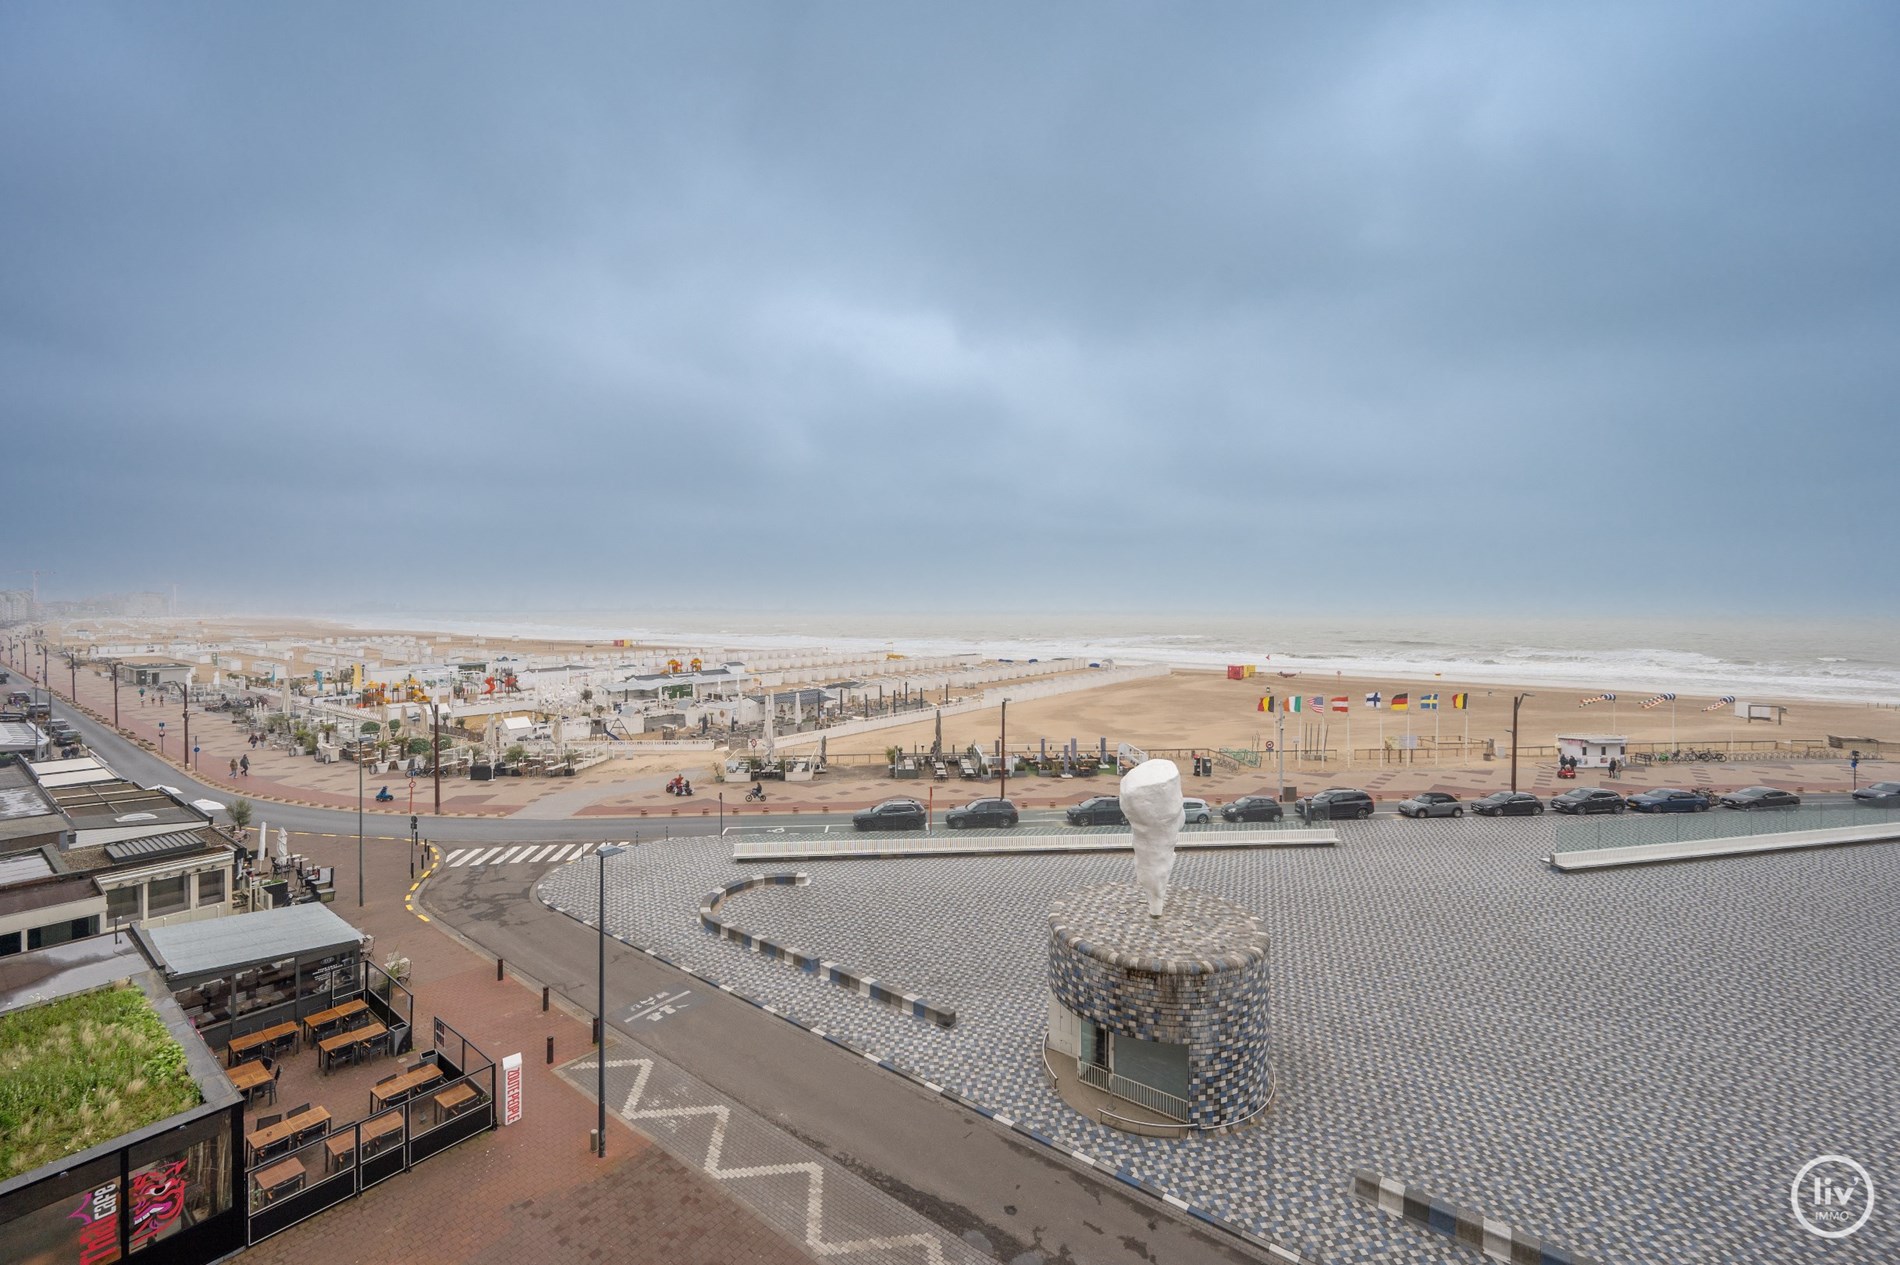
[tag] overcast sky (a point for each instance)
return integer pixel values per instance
(975, 306)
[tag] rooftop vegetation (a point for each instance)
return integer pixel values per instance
(83, 1070)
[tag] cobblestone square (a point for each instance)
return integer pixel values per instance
(1633, 1064)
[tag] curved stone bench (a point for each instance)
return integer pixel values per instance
(829, 972)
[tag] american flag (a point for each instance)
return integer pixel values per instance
(1588, 699)
(1317, 702)
(1720, 703)
(1658, 701)
(1373, 699)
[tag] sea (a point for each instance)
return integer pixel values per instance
(1765, 660)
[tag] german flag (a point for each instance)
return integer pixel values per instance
(1401, 702)
(1460, 702)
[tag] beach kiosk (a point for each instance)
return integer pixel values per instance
(1593, 751)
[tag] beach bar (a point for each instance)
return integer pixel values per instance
(1593, 751)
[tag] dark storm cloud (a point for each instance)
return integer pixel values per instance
(956, 305)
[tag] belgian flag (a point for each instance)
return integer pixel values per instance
(1460, 702)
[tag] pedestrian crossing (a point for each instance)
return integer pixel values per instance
(517, 854)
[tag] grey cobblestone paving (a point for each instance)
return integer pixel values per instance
(1633, 1064)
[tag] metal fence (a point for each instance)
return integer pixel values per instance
(1159, 1101)
(1626, 830)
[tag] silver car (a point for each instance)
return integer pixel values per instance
(1431, 804)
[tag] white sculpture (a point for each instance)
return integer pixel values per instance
(1151, 800)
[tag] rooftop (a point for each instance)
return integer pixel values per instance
(223, 945)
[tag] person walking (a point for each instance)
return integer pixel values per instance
(233, 768)
(245, 765)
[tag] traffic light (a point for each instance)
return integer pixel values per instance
(412, 823)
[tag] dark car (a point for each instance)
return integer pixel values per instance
(1334, 803)
(892, 814)
(1102, 810)
(993, 813)
(1588, 799)
(1669, 800)
(1253, 808)
(1431, 804)
(1508, 804)
(1880, 795)
(1760, 797)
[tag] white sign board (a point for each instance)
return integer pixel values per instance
(511, 1089)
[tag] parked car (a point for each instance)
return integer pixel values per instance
(1669, 800)
(893, 814)
(1253, 808)
(1588, 799)
(1431, 804)
(1879, 795)
(1508, 804)
(1195, 812)
(1334, 803)
(992, 813)
(1101, 810)
(1760, 797)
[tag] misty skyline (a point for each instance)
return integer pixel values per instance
(987, 308)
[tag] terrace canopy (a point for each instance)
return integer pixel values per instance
(194, 953)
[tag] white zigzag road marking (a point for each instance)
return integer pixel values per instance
(715, 1152)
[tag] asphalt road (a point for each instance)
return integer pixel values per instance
(1019, 1201)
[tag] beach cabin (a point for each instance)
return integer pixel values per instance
(1592, 751)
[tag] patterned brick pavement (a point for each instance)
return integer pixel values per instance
(1633, 1063)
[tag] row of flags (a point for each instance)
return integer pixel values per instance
(1343, 703)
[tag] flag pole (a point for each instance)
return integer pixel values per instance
(1279, 747)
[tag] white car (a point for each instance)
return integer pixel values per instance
(1195, 812)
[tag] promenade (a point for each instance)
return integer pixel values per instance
(629, 788)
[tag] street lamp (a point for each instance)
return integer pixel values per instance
(600, 1144)
(359, 812)
(1515, 704)
(1002, 751)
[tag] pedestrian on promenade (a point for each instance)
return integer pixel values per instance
(245, 764)
(234, 768)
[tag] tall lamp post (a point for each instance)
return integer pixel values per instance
(1002, 752)
(600, 1142)
(359, 813)
(1516, 703)
(114, 665)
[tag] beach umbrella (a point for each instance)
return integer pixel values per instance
(263, 841)
(283, 844)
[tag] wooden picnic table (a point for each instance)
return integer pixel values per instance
(455, 1097)
(328, 1047)
(343, 1142)
(248, 1076)
(335, 1014)
(399, 1086)
(238, 1047)
(288, 1127)
(281, 1178)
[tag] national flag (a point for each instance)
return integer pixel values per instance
(1372, 699)
(1317, 703)
(1460, 702)
(1588, 699)
(1293, 703)
(1428, 702)
(1720, 703)
(1401, 702)
(1266, 703)
(1658, 700)
(1341, 704)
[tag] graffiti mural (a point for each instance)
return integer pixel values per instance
(158, 1197)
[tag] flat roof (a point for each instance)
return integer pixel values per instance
(1591, 738)
(100, 804)
(27, 979)
(18, 735)
(24, 867)
(60, 890)
(222, 946)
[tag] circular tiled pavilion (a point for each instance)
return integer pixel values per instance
(1168, 1012)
